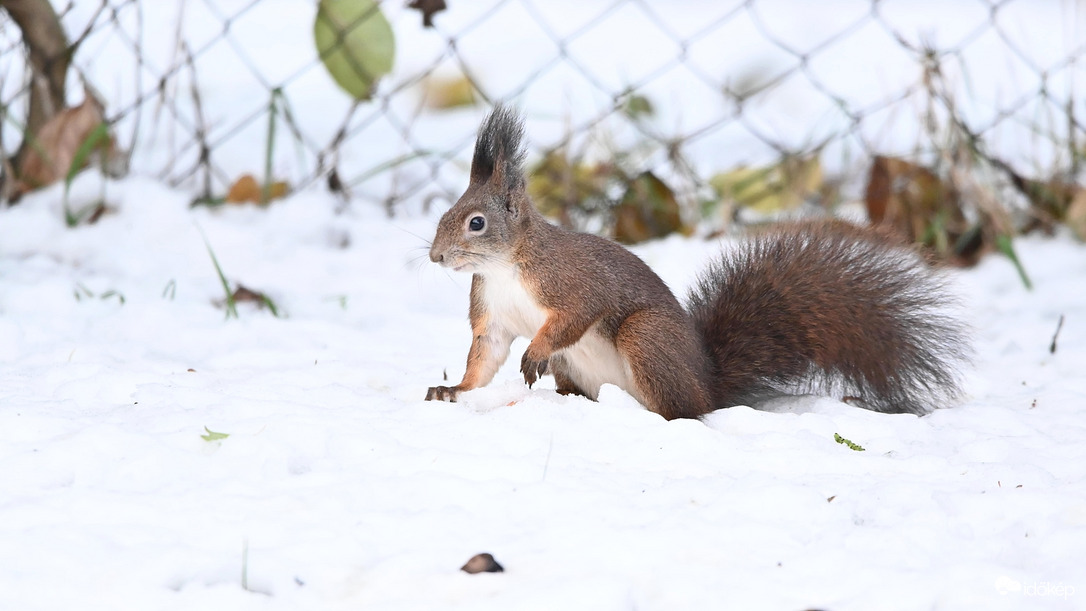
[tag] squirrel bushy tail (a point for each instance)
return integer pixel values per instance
(829, 308)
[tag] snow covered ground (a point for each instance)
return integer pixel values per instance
(339, 487)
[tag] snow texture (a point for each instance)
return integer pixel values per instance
(339, 487)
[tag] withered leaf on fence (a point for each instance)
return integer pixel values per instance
(427, 8)
(1050, 199)
(903, 195)
(54, 149)
(637, 106)
(443, 93)
(770, 189)
(562, 187)
(648, 210)
(915, 202)
(1054, 201)
(247, 189)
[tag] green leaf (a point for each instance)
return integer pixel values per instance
(213, 436)
(637, 106)
(355, 43)
(851, 446)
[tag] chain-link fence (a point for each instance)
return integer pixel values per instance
(199, 92)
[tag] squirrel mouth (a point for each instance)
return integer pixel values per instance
(457, 265)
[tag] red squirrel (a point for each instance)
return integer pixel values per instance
(816, 306)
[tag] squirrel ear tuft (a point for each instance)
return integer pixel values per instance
(499, 150)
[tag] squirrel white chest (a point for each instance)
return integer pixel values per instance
(509, 305)
(513, 311)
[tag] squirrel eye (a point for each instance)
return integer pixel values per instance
(476, 223)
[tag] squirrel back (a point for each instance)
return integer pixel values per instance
(805, 307)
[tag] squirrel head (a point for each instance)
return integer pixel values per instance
(483, 225)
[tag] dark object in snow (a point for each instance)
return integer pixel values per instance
(244, 293)
(482, 563)
(803, 307)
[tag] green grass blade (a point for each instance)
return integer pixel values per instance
(231, 303)
(274, 309)
(1006, 246)
(94, 140)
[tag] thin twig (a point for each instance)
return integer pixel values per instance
(1059, 325)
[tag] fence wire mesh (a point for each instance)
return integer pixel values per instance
(201, 91)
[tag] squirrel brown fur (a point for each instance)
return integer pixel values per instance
(816, 306)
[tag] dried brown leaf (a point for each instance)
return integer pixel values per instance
(560, 186)
(243, 293)
(913, 201)
(648, 210)
(247, 189)
(427, 8)
(53, 149)
(903, 195)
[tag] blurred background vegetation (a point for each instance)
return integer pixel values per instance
(959, 123)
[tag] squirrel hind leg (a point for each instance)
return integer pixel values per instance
(666, 364)
(563, 381)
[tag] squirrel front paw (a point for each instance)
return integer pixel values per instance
(531, 368)
(442, 393)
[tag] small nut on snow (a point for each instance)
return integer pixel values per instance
(482, 563)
